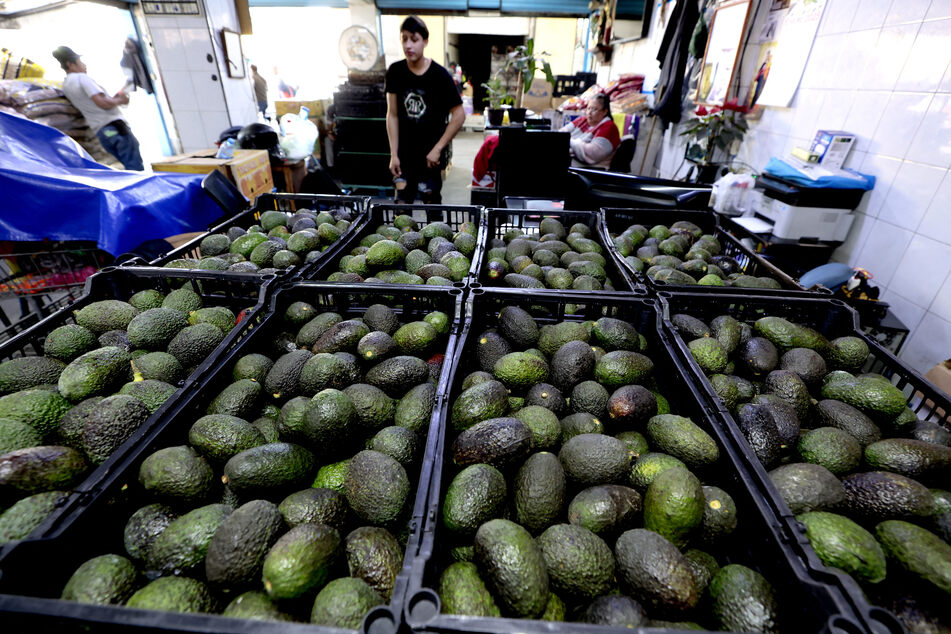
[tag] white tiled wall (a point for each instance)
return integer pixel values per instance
(203, 98)
(882, 70)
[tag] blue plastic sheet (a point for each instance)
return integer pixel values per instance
(787, 172)
(50, 188)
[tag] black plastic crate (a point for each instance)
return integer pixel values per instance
(833, 318)
(498, 221)
(617, 220)
(810, 602)
(571, 85)
(289, 203)
(237, 292)
(452, 215)
(93, 524)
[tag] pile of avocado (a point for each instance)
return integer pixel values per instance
(847, 454)
(554, 257)
(100, 379)
(405, 253)
(682, 254)
(282, 240)
(291, 498)
(574, 494)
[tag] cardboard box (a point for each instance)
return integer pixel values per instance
(250, 170)
(940, 375)
(538, 97)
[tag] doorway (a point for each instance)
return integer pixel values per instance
(475, 56)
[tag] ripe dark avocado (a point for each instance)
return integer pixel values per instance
(616, 611)
(114, 420)
(315, 506)
(342, 337)
(784, 417)
(374, 556)
(808, 487)
(631, 405)
(653, 571)
(539, 492)
(758, 426)
(743, 600)
(590, 459)
(590, 397)
(513, 567)
(573, 363)
(789, 387)
(500, 442)
(145, 525)
(876, 496)
(518, 326)
(719, 514)
(237, 549)
(43, 468)
(397, 375)
(580, 564)
(758, 355)
(607, 509)
(376, 486)
(283, 380)
(834, 413)
(329, 421)
(916, 459)
(691, 327)
(547, 396)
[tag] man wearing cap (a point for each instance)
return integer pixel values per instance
(101, 112)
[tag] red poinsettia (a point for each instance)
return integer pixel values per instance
(702, 111)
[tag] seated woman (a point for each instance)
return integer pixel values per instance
(594, 137)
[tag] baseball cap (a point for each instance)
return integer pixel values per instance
(64, 55)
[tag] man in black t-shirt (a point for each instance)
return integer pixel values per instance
(420, 96)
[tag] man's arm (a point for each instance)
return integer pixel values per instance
(108, 103)
(393, 132)
(455, 124)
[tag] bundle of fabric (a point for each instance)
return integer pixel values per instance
(623, 86)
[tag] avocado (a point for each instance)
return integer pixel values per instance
(547, 396)
(840, 415)
(195, 343)
(615, 611)
(399, 443)
(783, 415)
(590, 459)
(68, 342)
(94, 372)
(786, 335)
(173, 594)
(144, 526)
(521, 370)
(589, 397)
(415, 409)
(183, 299)
(500, 442)
(832, 448)
(240, 399)
(155, 328)
(552, 338)
(545, 427)
(16, 435)
(674, 505)
(918, 551)
(343, 602)
(709, 354)
(683, 439)
(40, 409)
(269, 467)
(256, 606)
(159, 366)
(579, 563)
(42, 468)
(513, 567)
(314, 329)
(462, 591)
(539, 489)
(614, 334)
(742, 600)
(649, 465)
(104, 580)
(329, 420)
(841, 543)
(758, 355)
(415, 338)
(916, 459)
(792, 390)
(24, 373)
(301, 561)
(690, 326)
(631, 405)
(381, 317)
(220, 436)
(343, 336)
(149, 298)
(315, 506)
(102, 316)
(875, 496)
(252, 366)
(181, 547)
(374, 556)
(622, 367)
(759, 428)
(606, 509)
(149, 392)
(177, 474)
(283, 379)
(847, 353)
(874, 396)
(571, 364)
(376, 487)
(726, 330)
(114, 420)
(808, 364)
(518, 326)
(397, 375)
(719, 515)
(703, 566)
(218, 316)
(332, 476)
(236, 552)
(24, 516)
(808, 487)
(653, 571)
(482, 401)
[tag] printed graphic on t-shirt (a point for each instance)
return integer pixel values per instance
(415, 105)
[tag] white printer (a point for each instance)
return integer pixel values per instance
(797, 212)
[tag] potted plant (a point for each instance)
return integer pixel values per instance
(526, 63)
(714, 134)
(497, 95)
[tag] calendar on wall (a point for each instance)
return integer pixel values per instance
(167, 7)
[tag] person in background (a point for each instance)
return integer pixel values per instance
(260, 90)
(594, 137)
(420, 96)
(101, 112)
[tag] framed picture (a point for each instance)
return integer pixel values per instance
(723, 47)
(233, 53)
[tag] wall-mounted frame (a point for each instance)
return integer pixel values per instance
(233, 53)
(723, 49)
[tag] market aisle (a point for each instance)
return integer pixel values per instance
(455, 189)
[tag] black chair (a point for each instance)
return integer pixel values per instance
(621, 161)
(224, 193)
(532, 163)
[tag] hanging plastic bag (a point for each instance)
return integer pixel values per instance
(731, 194)
(298, 138)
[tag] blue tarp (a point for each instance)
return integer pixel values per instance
(50, 188)
(787, 172)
